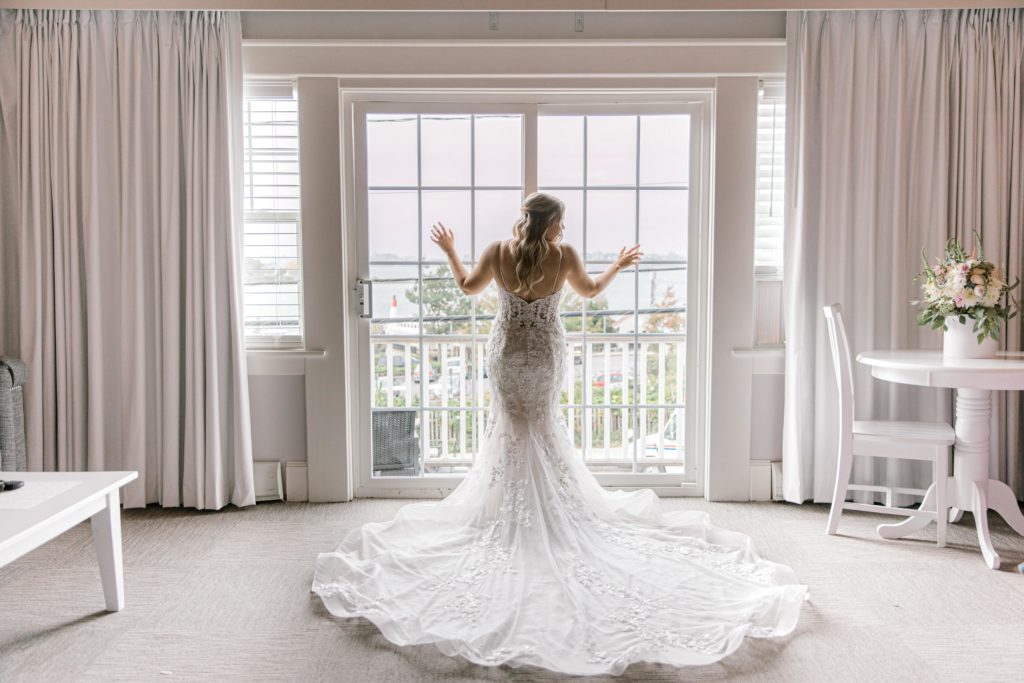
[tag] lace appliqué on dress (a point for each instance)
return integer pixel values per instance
(633, 611)
(490, 554)
(526, 355)
(695, 549)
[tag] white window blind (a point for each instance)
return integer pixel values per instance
(768, 225)
(272, 278)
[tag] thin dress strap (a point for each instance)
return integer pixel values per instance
(557, 272)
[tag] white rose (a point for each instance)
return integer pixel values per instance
(954, 288)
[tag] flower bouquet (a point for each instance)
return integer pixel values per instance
(964, 286)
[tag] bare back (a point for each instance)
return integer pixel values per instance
(554, 273)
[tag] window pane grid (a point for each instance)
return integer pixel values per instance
(620, 423)
(410, 188)
(272, 256)
(618, 428)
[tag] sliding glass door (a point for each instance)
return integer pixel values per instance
(628, 172)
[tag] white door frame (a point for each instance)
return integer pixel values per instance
(699, 103)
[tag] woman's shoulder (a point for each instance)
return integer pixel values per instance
(567, 250)
(492, 249)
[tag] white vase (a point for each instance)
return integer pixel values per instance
(961, 341)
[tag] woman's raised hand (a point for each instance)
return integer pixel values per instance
(443, 237)
(628, 257)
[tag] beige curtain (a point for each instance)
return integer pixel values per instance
(986, 189)
(903, 128)
(121, 159)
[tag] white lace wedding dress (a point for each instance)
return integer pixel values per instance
(530, 561)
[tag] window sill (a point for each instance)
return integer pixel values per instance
(272, 352)
(270, 361)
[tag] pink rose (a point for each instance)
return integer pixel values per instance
(979, 291)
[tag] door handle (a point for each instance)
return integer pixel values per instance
(364, 297)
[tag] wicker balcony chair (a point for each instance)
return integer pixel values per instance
(396, 447)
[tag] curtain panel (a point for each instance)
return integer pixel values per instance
(120, 150)
(986, 188)
(903, 129)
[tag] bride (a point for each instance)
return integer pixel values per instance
(529, 561)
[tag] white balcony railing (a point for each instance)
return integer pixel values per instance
(623, 399)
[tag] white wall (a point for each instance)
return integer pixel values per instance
(732, 318)
(511, 25)
(766, 394)
(278, 407)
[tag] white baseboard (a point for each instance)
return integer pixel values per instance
(760, 480)
(296, 482)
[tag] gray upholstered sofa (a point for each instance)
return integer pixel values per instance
(12, 415)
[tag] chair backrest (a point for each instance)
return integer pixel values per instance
(843, 367)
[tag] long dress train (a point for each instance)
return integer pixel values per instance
(530, 561)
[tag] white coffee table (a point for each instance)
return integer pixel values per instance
(50, 503)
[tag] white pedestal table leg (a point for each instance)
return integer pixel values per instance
(1002, 499)
(970, 463)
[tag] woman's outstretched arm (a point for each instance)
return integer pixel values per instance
(469, 282)
(587, 286)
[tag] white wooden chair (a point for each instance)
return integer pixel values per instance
(930, 441)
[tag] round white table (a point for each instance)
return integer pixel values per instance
(969, 488)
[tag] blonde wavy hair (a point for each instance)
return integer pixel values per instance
(528, 246)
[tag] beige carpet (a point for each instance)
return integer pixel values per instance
(225, 596)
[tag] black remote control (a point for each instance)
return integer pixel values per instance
(9, 485)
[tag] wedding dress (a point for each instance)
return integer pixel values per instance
(529, 561)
